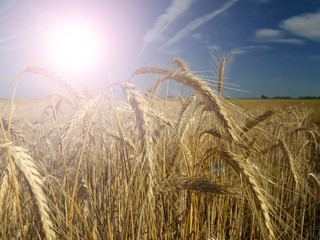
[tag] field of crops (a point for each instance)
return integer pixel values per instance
(84, 166)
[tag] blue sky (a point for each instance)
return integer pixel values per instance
(275, 44)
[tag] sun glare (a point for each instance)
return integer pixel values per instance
(73, 47)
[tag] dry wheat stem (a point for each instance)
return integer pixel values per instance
(62, 97)
(85, 138)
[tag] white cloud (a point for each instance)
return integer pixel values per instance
(197, 23)
(176, 10)
(293, 41)
(268, 33)
(243, 50)
(275, 36)
(306, 25)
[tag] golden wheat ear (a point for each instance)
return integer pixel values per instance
(27, 168)
(56, 77)
(180, 63)
(210, 98)
(259, 203)
(220, 63)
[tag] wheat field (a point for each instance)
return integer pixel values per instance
(83, 166)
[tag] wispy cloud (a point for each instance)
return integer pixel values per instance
(197, 23)
(306, 25)
(246, 49)
(315, 57)
(173, 12)
(268, 35)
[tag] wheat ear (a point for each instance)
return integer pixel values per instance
(184, 113)
(221, 73)
(78, 120)
(246, 173)
(26, 166)
(14, 131)
(251, 123)
(315, 178)
(55, 76)
(180, 63)
(196, 185)
(140, 106)
(4, 189)
(209, 97)
(289, 157)
(42, 70)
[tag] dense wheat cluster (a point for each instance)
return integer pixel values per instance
(105, 167)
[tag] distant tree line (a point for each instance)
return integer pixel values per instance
(288, 97)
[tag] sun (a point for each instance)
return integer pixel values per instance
(73, 46)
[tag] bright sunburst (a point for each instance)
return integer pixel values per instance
(73, 46)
